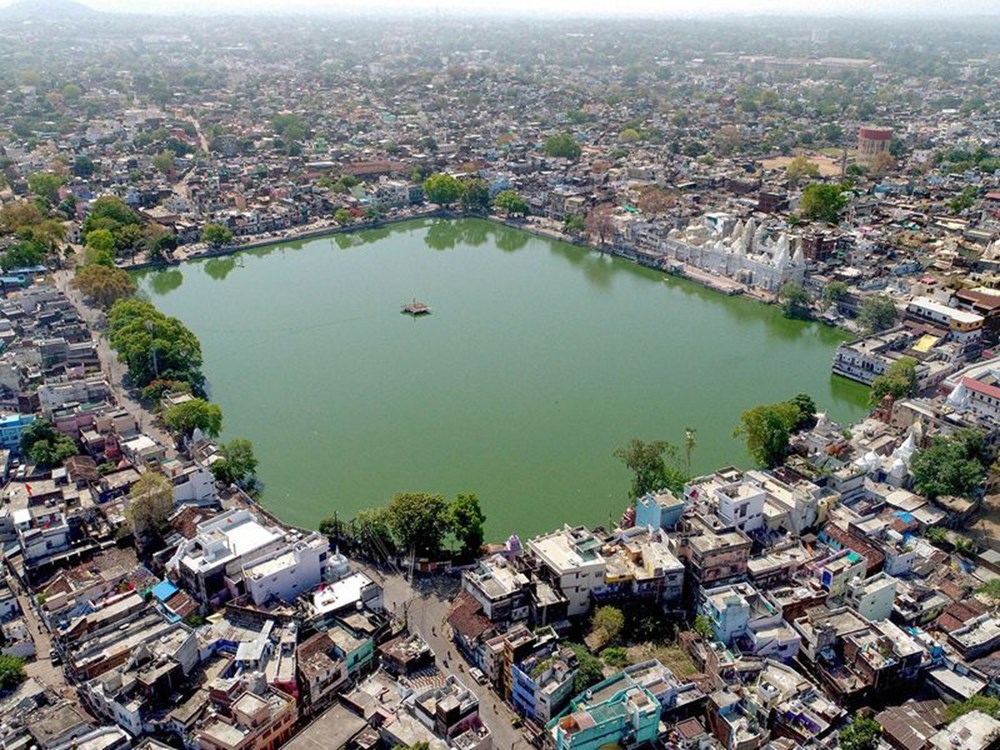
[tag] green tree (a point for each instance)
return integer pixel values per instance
(12, 672)
(954, 465)
(45, 185)
(609, 622)
(216, 235)
(800, 168)
(807, 411)
(511, 202)
(475, 196)
(654, 466)
(109, 212)
(83, 166)
(766, 430)
(101, 241)
(45, 446)
(629, 135)
(703, 627)
(589, 670)
(238, 464)
(197, 414)
(466, 521)
(862, 734)
(794, 300)
(822, 202)
(443, 189)
(991, 589)
(563, 146)
(616, 656)
(898, 381)
(835, 291)
(104, 285)
(985, 703)
(372, 534)
(574, 225)
(343, 217)
(150, 503)
(164, 161)
(418, 521)
(878, 313)
(137, 331)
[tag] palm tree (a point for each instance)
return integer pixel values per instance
(690, 443)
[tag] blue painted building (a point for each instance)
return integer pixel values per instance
(542, 684)
(658, 510)
(11, 428)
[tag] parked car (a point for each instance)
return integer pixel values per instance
(477, 674)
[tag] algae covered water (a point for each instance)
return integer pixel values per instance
(537, 360)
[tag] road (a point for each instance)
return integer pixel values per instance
(425, 609)
(42, 668)
(113, 370)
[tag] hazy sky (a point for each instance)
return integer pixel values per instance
(617, 7)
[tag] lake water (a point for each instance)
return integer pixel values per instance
(538, 360)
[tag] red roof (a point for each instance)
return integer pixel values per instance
(983, 388)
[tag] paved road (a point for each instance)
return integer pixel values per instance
(113, 370)
(425, 609)
(42, 668)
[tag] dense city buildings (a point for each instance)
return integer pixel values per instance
(841, 593)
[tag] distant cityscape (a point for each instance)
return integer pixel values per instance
(843, 592)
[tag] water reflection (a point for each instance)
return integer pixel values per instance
(219, 268)
(442, 235)
(164, 282)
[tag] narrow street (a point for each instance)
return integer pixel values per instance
(113, 370)
(424, 609)
(41, 668)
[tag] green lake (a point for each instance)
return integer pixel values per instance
(538, 360)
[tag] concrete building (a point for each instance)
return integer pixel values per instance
(572, 558)
(658, 510)
(872, 141)
(287, 572)
(209, 563)
(628, 718)
(500, 588)
(872, 598)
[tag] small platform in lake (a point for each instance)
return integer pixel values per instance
(416, 308)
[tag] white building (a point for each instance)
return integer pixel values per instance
(873, 597)
(212, 560)
(741, 504)
(573, 558)
(287, 572)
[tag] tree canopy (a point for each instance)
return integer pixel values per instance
(136, 327)
(150, 502)
(104, 285)
(197, 414)
(954, 465)
(822, 202)
(216, 235)
(12, 672)
(800, 167)
(589, 670)
(608, 622)
(563, 146)
(475, 195)
(511, 202)
(878, 313)
(862, 734)
(45, 446)
(654, 466)
(766, 431)
(794, 300)
(466, 522)
(443, 189)
(898, 381)
(238, 464)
